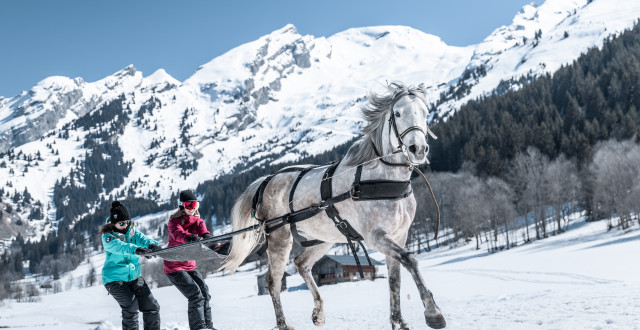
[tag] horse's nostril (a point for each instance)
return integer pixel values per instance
(412, 148)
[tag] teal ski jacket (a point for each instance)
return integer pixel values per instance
(122, 262)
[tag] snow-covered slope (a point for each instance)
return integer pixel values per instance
(274, 99)
(582, 279)
(541, 39)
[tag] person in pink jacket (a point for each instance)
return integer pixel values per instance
(187, 226)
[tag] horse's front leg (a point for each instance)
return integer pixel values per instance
(385, 244)
(305, 261)
(394, 291)
(280, 242)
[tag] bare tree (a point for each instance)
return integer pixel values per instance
(469, 206)
(501, 209)
(563, 185)
(424, 222)
(32, 294)
(530, 186)
(91, 277)
(616, 172)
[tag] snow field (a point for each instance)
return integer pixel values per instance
(585, 278)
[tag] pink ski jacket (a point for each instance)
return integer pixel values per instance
(179, 229)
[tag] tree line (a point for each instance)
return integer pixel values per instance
(595, 98)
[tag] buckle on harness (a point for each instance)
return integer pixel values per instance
(322, 205)
(355, 191)
(342, 225)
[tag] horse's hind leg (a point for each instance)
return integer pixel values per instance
(390, 248)
(397, 322)
(280, 242)
(305, 261)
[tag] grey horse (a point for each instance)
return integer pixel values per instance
(383, 224)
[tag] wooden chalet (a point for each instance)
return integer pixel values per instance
(332, 269)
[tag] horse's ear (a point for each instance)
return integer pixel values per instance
(395, 86)
(422, 89)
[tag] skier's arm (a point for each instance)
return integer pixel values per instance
(114, 245)
(202, 228)
(142, 240)
(177, 231)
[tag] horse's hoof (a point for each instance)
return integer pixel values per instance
(284, 326)
(397, 323)
(436, 322)
(399, 326)
(317, 317)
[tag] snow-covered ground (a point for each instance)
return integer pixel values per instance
(586, 278)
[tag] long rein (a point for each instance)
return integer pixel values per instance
(413, 168)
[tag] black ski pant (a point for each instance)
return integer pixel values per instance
(192, 286)
(133, 296)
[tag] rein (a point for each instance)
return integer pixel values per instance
(403, 148)
(413, 168)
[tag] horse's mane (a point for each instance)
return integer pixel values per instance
(374, 113)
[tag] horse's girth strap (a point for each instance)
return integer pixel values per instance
(343, 225)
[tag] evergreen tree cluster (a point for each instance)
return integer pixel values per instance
(11, 262)
(594, 99)
(103, 168)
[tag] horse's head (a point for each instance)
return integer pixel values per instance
(408, 127)
(396, 123)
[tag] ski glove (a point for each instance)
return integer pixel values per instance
(154, 247)
(193, 238)
(207, 235)
(222, 247)
(141, 250)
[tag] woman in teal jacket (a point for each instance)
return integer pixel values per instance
(121, 271)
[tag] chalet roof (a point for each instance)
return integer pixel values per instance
(264, 273)
(349, 260)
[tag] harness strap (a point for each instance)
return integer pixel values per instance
(379, 189)
(355, 255)
(306, 213)
(295, 185)
(294, 230)
(257, 197)
(343, 225)
(380, 157)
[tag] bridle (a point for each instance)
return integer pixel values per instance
(402, 92)
(402, 147)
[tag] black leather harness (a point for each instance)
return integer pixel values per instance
(361, 190)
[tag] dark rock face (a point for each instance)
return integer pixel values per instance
(35, 127)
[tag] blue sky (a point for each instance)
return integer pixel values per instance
(92, 39)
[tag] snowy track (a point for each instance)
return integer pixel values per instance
(583, 279)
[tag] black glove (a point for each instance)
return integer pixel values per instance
(154, 247)
(141, 250)
(207, 235)
(222, 247)
(193, 238)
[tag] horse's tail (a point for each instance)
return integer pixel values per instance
(242, 244)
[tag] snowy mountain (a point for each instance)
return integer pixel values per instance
(275, 99)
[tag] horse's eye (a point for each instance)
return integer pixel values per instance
(397, 114)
